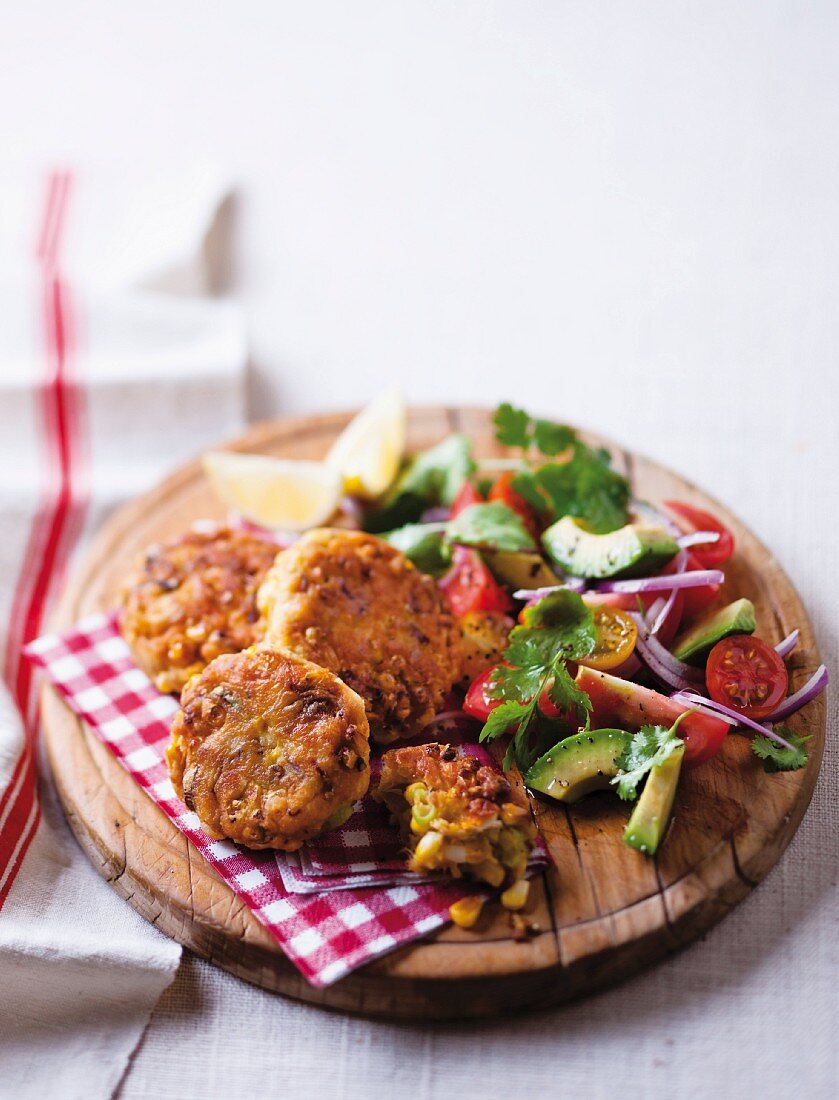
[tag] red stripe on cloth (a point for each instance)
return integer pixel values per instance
(55, 529)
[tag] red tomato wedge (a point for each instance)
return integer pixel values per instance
(747, 674)
(502, 491)
(479, 703)
(617, 702)
(712, 554)
(469, 585)
(467, 495)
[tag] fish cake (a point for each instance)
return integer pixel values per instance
(269, 749)
(191, 599)
(459, 815)
(354, 604)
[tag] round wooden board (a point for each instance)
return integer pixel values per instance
(602, 912)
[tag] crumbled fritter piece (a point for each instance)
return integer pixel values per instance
(269, 749)
(192, 599)
(459, 815)
(485, 635)
(352, 603)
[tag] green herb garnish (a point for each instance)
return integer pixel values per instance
(649, 748)
(583, 484)
(557, 629)
(778, 758)
(490, 526)
(430, 478)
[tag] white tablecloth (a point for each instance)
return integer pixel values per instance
(623, 214)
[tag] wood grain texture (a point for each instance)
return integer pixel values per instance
(602, 912)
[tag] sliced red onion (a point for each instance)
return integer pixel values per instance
(447, 716)
(654, 610)
(283, 539)
(814, 686)
(532, 595)
(436, 515)
(353, 510)
(697, 538)
(691, 699)
(697, 578)
(679, 564)
(700, 703)
(661, 662)
(784, 648)
(471, 748)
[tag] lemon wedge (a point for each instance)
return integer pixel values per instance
(278, 493)
(368, 452)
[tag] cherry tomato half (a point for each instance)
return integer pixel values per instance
(479, 703)
(503, 491)
(710, 554)
(698, 600)
(467, 495)
(747, 674)
(616, 638)
(469, 585)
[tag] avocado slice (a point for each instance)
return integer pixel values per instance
(693, 645)
(631, 551)
(578, 765)
(651, 816)
(520, 568)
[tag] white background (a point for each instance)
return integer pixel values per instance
(621, 213)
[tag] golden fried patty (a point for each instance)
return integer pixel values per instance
(352, 603)
(269, 749)
(458, 814)
(192, 599)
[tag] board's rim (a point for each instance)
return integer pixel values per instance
(257, 434)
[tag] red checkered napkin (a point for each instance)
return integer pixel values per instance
(326, 935)
(366, 842)
(296, 881)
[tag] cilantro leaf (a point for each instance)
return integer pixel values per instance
(649, 748)
(775, 757)
(491, 526)
(569, 621)
(560, 627)
(551, 438)
(512, 426)
(565, 694)
(430, 478)
(508, 714)
(586, 487)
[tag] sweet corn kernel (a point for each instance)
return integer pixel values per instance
(511, 814)
(465, 912)
(515, 896)
(429, 846)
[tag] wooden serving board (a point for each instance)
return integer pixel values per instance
(602, 912)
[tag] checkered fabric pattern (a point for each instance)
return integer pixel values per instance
(326, 935)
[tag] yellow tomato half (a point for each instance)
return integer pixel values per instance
(616, 638)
